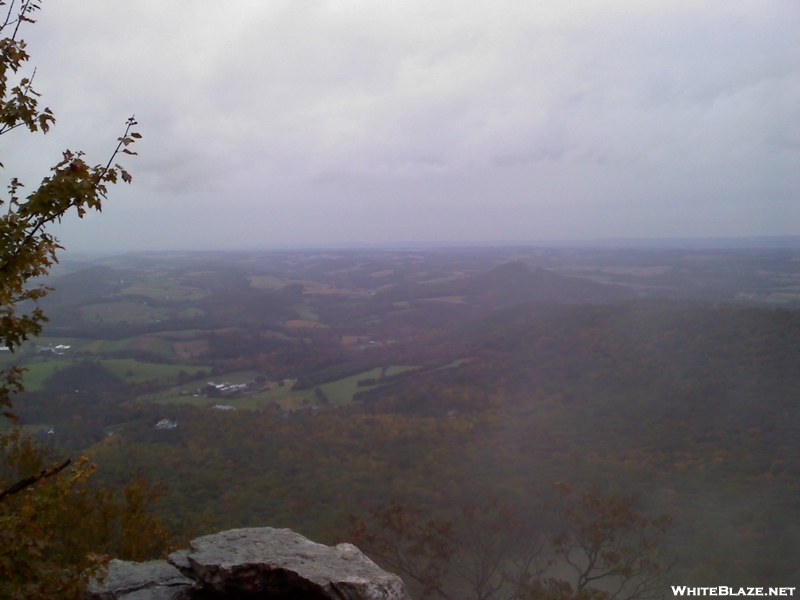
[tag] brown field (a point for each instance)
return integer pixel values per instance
(266, 282)
(178, 336)
(315, 288)
(143, 343)
(190, 349)
(302, 324)
(637, 271)
(353, 340)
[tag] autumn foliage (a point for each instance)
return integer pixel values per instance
(595, 547)
(58, 533)
(56, 529)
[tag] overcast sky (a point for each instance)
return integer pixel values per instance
(272, 122)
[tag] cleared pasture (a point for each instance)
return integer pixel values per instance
(316, 288)
(182, 335)
(127, 369)
(41, 369)
(133, 371)
(149, 343)
(123, 312)
(144, 343)
(190, 349)
(306, 312)
(339, 392)
(301, 324)
(267, 282)
(165, 289)
(395, 369)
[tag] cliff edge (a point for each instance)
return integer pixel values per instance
(250, 564)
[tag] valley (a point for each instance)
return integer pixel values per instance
(305, 387)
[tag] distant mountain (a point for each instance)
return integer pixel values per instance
(510, 284)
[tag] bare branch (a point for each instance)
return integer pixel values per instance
(29, 481)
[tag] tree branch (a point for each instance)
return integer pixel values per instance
(21, 485)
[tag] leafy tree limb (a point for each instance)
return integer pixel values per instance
(27, 251)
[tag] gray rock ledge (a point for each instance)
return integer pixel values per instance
(251, 564)
(154, 580)
(278, 563)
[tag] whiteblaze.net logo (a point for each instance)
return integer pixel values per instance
(723, 590)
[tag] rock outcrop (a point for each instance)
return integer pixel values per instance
(152, 580)
(253, 563)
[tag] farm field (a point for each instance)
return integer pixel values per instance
(127, 369)
(338, 393)
(123, 312)
(134, 371)
(38, 371)
(165, 289)
(189, 343)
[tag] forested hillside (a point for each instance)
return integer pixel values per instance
(270, 397)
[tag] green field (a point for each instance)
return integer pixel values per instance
(338, 392)
(155, 343)
(165, 289)
(133, 371)
(128, 369)
(38, 371)
(123, 312)
(394, 370)
(307, 313)
(146, 343)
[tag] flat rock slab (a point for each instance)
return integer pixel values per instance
(278, 563)
(154, 579)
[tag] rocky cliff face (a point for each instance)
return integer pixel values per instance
(249, 564)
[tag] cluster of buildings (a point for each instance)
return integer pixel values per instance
(227, 389)
(58, 349)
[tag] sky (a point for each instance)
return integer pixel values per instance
(270, 123)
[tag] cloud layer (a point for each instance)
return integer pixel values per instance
(336, 121)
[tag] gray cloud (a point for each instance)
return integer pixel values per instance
(345, 120)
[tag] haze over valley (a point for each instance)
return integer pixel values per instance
(296, 388)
